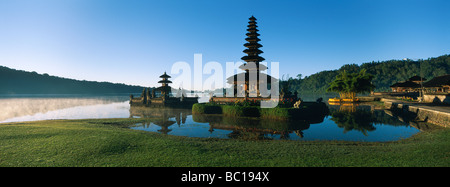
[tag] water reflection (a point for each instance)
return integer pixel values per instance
(61, 107)
(345, 122)
(348, 118)
(364, 118)
(163, 120)
(254, 128)
(162, 117)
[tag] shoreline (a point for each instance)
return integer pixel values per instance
(436, 114)
(106, 142)
(426, 112)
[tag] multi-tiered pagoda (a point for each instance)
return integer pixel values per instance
(164, 88)
(252, 67)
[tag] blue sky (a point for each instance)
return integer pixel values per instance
(135, 41)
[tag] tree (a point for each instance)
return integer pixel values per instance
(386, 73)
(349, 84)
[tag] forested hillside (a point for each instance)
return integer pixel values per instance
(22, 82)
(386, 73)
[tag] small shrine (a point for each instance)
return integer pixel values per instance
(161, 96)
(164, 89)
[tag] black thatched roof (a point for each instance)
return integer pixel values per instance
(164, 75)
(438, 81)
(252, 58)
(163, 88)
(234, 79)
(417, 78)
(406, 84)
(164, 81)
(260, 67)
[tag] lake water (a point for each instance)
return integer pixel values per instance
(355, 122)
(43, 107)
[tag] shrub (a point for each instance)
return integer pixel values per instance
(201, 108)
(240, 111)
(308, 110)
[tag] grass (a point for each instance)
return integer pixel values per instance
(107, 142)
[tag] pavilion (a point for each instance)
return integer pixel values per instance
(413, 84)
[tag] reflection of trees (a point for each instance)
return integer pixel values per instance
(359, 120)
(255, 128)
(407, 118)
(363, 118)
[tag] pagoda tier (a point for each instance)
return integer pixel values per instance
(253, 46)
(258, 67)
(165, 81)
(164, 76)
(252, 56)
(252, 50)
(234, 79)
(165, 89)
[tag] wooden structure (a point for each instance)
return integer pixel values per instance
(440, 84)
(406, 86)
(413, 84)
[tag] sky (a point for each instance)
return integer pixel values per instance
(135, 41)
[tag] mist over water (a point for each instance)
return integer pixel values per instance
(356, 123)
(14, 109)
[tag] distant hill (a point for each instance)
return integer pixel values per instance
(386, 73)
(22, 82)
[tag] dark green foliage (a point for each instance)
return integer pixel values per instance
(359, 120)
(276, 113)
(21, 82)
(385, 73)
(241, 111)
(200, 108)
(349, 84)
(308, 110)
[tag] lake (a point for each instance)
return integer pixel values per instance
(353, 123)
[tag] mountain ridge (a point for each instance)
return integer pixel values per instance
(14, 81)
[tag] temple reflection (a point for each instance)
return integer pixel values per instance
(236, 128)
(360, 118)
(254, 128)
(162, 117)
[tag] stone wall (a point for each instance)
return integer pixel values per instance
(224, 100)
(423, 113)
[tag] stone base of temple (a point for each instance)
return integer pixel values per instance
(172, 102)
(225, 100)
